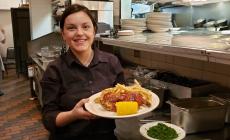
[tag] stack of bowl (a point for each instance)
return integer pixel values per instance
(210, 25)
(159, 22)
(137, 25)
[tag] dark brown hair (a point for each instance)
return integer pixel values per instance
(74, 9)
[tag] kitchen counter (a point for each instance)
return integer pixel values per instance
(39, 63)
(42, 63)
(38, 71)
(206, 46)
(195, 44)
(221, 134)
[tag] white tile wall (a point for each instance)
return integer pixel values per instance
(213, 72)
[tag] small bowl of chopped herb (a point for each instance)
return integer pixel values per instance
(162, 131)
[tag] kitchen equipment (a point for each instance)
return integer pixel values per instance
(225, 97)
(221, 22)
(161, 92)
(183, 87)
(102, 27)
(198, 114)
(143, 76)
(222, 28)
(210, 24)
(44, 52)
(45, 61)
(199, 23)
(221, 25)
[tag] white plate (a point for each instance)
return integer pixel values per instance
(125, 32)
(98, 110)
(162, 23)
(174, 29)
(134, 22)
(144, 128)
(158, 30)
(130, 27)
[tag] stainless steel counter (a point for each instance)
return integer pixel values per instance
(221, 134)
(196, 44)
(41, 63)
(38, 71)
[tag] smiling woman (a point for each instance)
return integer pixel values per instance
(79, 33)
(72, 78)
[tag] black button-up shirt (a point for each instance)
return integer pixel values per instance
(66, 81)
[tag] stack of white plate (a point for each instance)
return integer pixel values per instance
(137, 25)
(125, 32)
(159, 22)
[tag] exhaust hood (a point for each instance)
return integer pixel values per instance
(179, 2)
(196, 2)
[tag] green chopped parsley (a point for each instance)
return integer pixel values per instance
(162, 132)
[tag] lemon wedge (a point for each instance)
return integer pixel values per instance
(126, 107)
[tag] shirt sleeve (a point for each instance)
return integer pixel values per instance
(119, 71)
(51, 85)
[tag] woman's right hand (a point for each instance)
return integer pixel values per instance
(79, 111)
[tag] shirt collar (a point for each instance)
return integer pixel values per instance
(98, 57)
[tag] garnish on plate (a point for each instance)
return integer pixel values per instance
(162, 132)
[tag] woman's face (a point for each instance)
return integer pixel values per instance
(78, 32)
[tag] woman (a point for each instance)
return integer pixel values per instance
(79, 73)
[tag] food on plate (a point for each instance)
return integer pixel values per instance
(162, 132)
(120, 93)
(121, 107)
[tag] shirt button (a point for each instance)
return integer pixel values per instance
(92, 91)
(90, 82)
